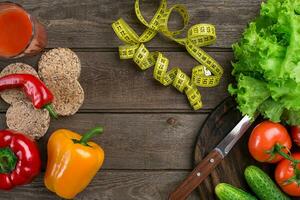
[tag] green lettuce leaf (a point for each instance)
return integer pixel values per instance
(291, 117)
(271, 109)
(267, 63)
(251, 93)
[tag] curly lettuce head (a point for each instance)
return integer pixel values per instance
(267, 63)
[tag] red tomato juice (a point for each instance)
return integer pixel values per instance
(15, 31)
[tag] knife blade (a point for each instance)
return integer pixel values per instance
(207, 165)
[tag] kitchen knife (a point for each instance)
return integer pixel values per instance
(205, 167)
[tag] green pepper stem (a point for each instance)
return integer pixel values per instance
(51, 111)
(8, 160)
(91, 133)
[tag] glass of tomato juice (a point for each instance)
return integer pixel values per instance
(20, 33)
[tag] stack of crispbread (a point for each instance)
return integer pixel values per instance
(59, 69)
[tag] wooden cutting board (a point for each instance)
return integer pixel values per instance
(231, 169)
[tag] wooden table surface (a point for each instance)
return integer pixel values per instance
(150, 130)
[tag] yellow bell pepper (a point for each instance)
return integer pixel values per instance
(72, 162)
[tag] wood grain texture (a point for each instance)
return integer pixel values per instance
(147, 147)
(150, 130)
(87, 23)
(139, 141)
(108, 185)
(113, 84)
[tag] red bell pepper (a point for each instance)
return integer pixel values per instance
(20, 159)
(33, 87)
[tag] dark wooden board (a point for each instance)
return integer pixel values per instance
(87, 24)
(139, 141)
(111, 185)
(231, 169)
(146, 155)
(157, 141)
(150, 130)
(112, 84)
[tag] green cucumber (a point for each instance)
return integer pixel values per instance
(225, 191)
(262, 185)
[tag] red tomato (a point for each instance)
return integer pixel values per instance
(264, 138)
(295, 130)
(283, 172)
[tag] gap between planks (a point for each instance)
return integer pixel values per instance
(137, 111)
(162, 49)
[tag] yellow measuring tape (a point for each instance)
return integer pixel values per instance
(198, 36)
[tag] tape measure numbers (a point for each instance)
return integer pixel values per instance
(198, 36)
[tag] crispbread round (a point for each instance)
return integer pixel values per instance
(15, 95)
(23, 117)
(60, 61)
(68, 94)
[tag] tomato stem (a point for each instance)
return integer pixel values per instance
(278, 149)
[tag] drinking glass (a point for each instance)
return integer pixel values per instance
(21, 34)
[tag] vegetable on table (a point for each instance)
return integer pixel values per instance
(72, 161)
(268, 141)
(34, 88)
(262, 185)
(287, 175)
(20, 159)
(226, 191)
(267, 63)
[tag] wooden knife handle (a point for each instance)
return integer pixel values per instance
(202, 170)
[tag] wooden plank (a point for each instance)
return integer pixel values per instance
(81, 24)
(138, 141)
(107, 185)
(111, 83)
(152, 146)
